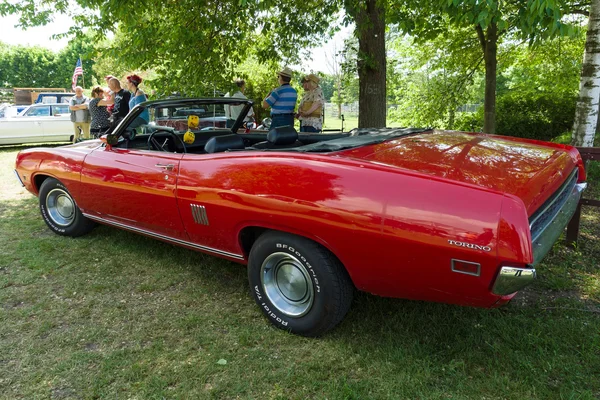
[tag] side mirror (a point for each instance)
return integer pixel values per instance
(110, 140)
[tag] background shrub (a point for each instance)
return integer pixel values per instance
(535, 116)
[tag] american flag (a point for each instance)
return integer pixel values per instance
(78, 71)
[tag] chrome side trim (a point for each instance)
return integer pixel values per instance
(199, 214)
(543, 217)
(512, 279)
(166, 238)
(18, 177)
(545, 239)
(464, 272)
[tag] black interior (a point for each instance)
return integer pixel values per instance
(221, 140)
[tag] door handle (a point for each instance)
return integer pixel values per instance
(167, 167)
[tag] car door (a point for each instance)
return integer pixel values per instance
(58, 127)
(26, 128)
(134, 189)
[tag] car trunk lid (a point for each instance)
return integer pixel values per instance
(527, 170)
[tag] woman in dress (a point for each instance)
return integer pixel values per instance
(310, 112)
(98, 112)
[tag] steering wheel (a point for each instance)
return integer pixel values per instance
(154, 144)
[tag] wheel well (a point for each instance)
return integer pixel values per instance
(249, 234)
(38, 180)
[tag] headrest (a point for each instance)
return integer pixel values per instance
(282, 135)
(217, 144)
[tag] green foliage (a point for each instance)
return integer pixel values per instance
(469, 121)
(193, 46)
(539, 117)
(80, 46)
(327, 85)
(26, 66)
(428, 85)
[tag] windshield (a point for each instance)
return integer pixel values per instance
(195, 115)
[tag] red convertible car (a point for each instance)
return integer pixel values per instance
(423, 214)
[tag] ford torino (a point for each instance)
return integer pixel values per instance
(454, 217)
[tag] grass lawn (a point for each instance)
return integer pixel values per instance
(116, 315)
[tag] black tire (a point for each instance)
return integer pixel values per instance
(60, 212)
(298, 284)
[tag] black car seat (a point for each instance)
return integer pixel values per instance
(282, 137)
(217, 144)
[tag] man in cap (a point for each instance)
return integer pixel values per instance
(282, 100)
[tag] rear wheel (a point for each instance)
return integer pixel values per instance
(299, 285)
(60, 212)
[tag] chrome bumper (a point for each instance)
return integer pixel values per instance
(18, 177)
(512, 279)
(545, 239)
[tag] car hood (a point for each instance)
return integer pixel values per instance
(530, 171)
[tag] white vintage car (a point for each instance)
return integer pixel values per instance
(38, 123)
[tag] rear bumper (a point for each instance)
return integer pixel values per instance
(555, 217)
(551, 220)
(512, 279)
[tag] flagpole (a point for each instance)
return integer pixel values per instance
(82, 77)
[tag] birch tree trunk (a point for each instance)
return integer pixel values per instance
(586, 113)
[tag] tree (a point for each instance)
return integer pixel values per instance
(429, 82)
(369, 17)
(78, 47)
(24, 66)
(489, 21)
(586, 114)
(199, 44)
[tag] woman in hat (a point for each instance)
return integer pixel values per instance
(310, 112)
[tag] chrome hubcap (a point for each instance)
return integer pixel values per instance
(287, 284)
(60, 207)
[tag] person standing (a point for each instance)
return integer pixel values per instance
(137, 96)
(80, 115)
(108, 94)
(282, 100)
(310, 111)
(232, 111)
(121, 101)
(98, 112)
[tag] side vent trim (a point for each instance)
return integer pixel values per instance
(199, 214)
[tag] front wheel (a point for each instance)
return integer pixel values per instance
(299, 285)
(60, 212)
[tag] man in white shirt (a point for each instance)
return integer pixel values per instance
(80, 116)
(232, 111)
